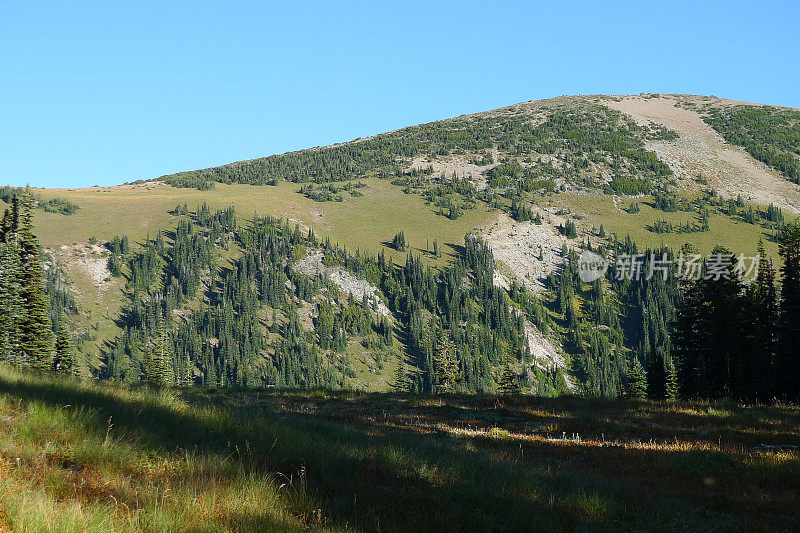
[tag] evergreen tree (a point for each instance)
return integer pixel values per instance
(400, 380)
(508, 381)
(11, 304)
(157, 360)
(709, 333)
(761, 330)
(448, 374)
(788, 364)
(637, 381)
(37, 336)
(399, 242)
(64, 361)
(671, 383)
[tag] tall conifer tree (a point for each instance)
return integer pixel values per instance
(788, 366)
(37, 336)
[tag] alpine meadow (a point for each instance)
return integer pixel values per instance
(401, 332)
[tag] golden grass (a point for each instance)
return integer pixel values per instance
(82, 456)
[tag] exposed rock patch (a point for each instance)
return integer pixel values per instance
(529, 252)
(701, 151)
(311, 265)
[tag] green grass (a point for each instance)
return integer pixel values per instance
(82, 456)
(739, 237)
(364, 222)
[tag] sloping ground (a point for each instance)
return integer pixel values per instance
(311, 265)
(702, 151)
(81, 456)
(519, 246)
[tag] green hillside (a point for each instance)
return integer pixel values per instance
(369, 264)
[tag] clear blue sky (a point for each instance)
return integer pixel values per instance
(108, 92)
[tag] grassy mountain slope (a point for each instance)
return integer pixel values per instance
(586, 159)
(81, 456)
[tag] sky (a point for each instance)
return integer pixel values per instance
(109, 92)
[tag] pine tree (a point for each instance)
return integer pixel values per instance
(508, 381)
(637, 381)
(11, 304)
(709, 336)
(37, 336)
(671, 383)
(788, 366)
(157, 360)
(761, 330)
(400, 380)
(64, 361)
(448, 374)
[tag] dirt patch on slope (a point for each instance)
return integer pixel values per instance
(311, 265)
(89, 261)
(527, 252)
(701, 151)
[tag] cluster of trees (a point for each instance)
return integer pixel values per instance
(771, 135)
(26, 326)
(770, 218)
(54, 205)
(452, 195)
(521, 211)
(569, 229)
(327, 192)
(665, 202)
(535, 154)
(741, 340)
(120, 250)
(629, 185)
(399, 242)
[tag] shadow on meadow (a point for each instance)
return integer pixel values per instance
(399, 462)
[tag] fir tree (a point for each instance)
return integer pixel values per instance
(788, 366)
(400, 380)
(508, 381)
(157, 360)
(11, 304)
(37, 336)
(761, 329)
(671, 383)
(637, 381)
(64, 361)
(448, 374)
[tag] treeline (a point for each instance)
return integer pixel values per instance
(26, 324)
(580, 136)
(770, 134)
(741, 341)
(54, 205)
(647, 330)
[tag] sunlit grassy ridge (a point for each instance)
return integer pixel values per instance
(738, 236)
(82, 456)
(365, 222)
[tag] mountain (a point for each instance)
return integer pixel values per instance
(296, 285)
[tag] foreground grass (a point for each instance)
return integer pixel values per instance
(93, 457)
